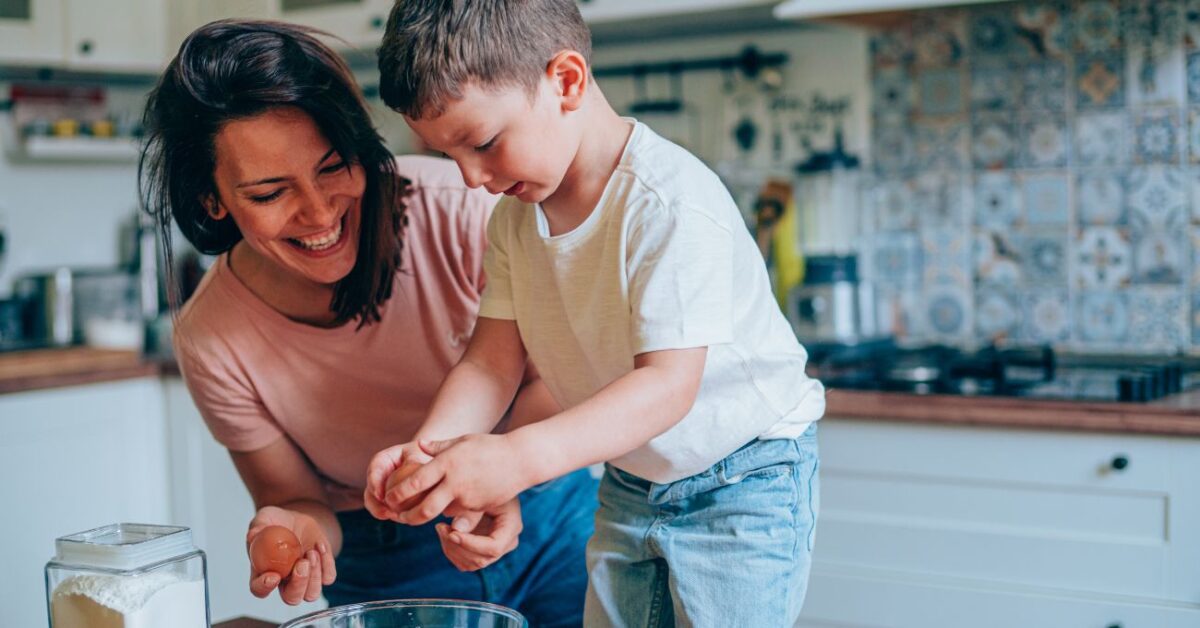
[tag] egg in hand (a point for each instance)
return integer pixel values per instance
(275, 548)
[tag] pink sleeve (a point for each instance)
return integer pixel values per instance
(230, 407)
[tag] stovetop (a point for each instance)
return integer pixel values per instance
(1029, 372)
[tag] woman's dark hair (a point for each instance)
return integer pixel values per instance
(235, 69)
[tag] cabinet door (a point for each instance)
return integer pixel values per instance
(116, 35)
(849, 600)
(73, 459)
(359, 22)
(1013, 507)
(31, 32)
(599, 11)
(800, 9)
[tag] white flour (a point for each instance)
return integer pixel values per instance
(152, 600)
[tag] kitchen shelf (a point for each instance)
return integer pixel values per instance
(79, 149)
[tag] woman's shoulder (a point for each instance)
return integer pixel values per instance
(436, 186)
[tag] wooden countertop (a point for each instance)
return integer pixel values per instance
(244, 622)
(1177, 415)
(72, 366)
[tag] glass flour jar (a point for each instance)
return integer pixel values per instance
(129, 575)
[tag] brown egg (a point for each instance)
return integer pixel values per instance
(275, 548)
(398, 476)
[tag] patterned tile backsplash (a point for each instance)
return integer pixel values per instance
(1037, 174)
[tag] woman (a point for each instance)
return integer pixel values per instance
(324, 328)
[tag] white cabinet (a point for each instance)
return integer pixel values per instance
(600, 11)
(208, 496)
(359, 22)
(801, 9)
(114, 35)
(73, 459)
(31, 31)
(921, 523)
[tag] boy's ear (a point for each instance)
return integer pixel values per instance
(569, 72)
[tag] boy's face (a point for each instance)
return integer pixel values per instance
(505, 141)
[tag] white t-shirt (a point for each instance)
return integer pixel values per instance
(663, 262)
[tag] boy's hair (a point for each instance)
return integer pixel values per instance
(433, 48)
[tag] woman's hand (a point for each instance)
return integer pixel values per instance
(315, 568)
(473, 542)
(380, 470)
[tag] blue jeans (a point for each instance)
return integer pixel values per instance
(731, 546)
(544, 578)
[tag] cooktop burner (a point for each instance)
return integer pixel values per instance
(1033, 372)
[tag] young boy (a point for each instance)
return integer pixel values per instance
(620, 265)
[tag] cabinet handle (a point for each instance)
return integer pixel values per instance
(85, 47)
(1119, 462)
(1114, 626)
(377, 23)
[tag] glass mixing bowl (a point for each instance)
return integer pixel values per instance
(413, 614)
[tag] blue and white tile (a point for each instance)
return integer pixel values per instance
(1046, 316)
(1196, 318)
(1155, 79)
(892, 92)
(1102, 318)
(1044, 85)
(1193, 77)
(1097, 25)
(1193, 136)
(1154, 24)
(942, 144)
(997, 202)
(892, 148)
(1156, 134)
(941, 91)
(1194, 236)
(996, 258)
(990, 31)
(946, 255)
(1100, 80)
(1193, 196)
(1160, 257)
(1158, 318)
(1100, 198)
(940, 199)
(1191, 24)
(1103, 258)
(998, 313)
(1043, 257)
(939, 38)
(1046, 198)
(1044, 140)
(1043, 28)
(994, 85)
(993, 140)
(947, 315)
(897, 259)
(1101, 138)
(1157, 198)
(894, 207)
(892, 47)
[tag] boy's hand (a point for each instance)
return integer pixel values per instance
(380, 470)
(474, 472)
(315, 568)
(472, 542)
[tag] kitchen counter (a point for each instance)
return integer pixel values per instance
(244, 622)
(40, 369)
(1177, 415)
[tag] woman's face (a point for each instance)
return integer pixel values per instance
(297, 204)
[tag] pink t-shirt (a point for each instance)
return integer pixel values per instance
(340, 394)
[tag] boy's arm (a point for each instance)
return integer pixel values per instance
(467, 472)
(621, 417)
(479, 389)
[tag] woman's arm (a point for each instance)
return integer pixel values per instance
(287, 491)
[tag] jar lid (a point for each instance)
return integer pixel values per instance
(124, 546)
